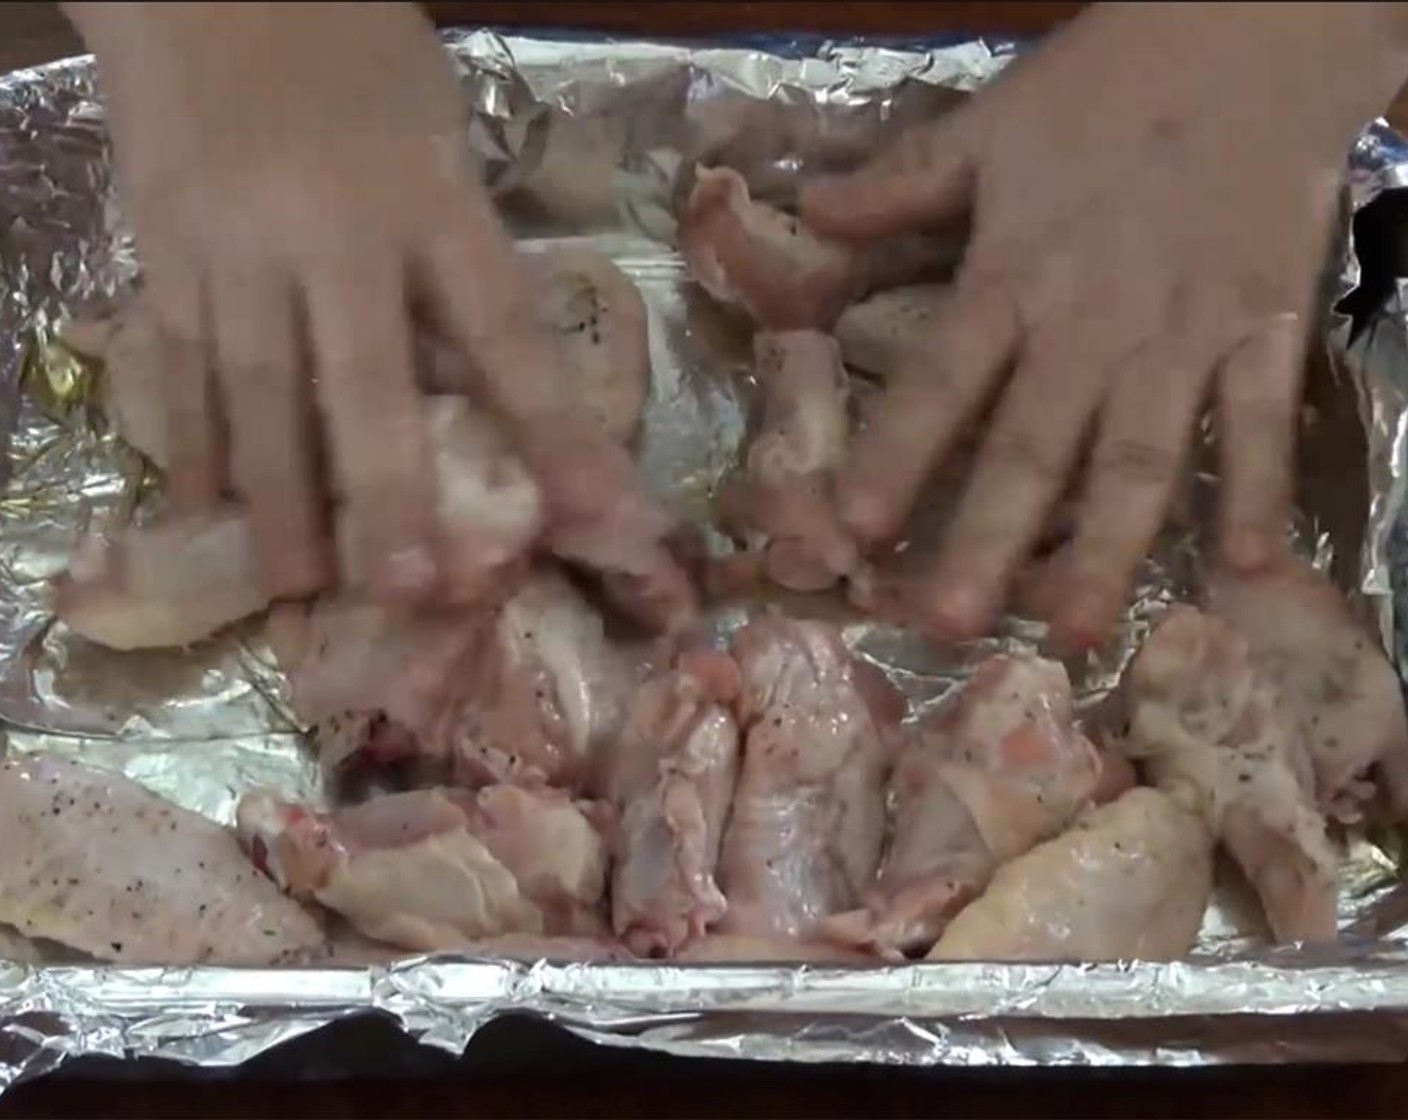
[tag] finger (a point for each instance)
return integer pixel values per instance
(918, 417)
(176, 298)
(924, 178)
(379, 454)
(272, 431)
(1020, 474)
(1134, 468)
(1258, 404)
(600, 516)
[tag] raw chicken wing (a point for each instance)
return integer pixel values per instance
(880, 335)
(808, 819)
(784, 503)
(1216, 734)
(104, 866)
(673, 773)
(600, 320)
(1130, 881)
(527, 692)
(177, 582)
(748, 253)
(437, 869)
(1333, 674)
(545, 693)
(984, 780)
(378, 684)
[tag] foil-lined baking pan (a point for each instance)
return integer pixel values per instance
(586, 138)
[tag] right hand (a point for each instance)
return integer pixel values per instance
(1151, 195)
(299, 184)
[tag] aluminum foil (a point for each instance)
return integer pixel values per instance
(584, 138)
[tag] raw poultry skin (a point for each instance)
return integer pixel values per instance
(984, 779)
(1213, 732)
(601, 324)
(600, 320)
(752, 255)
(545, 694)
(176, 582)
(673, 772)
(882, 334)
(438, 869)
(804, 837)
(1129, 881)
(783, 504)
(528, 691)
(99, 864)
(1333, 674)
(376, 683)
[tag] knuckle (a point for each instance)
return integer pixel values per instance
(1134, 460)
(1022, 450)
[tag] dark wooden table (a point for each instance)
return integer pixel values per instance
(506, 1077)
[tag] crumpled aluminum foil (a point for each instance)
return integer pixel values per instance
(588, 138)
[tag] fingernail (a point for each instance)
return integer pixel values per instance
(1081, 619)
(407, 571)
(959, 612)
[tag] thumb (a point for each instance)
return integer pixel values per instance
(924, 178)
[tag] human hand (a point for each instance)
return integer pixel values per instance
(300, 189)
(1152, 196)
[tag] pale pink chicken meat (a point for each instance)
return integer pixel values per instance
(1215, 733)
(600, 322)
(1332, 672)
(176, 582)
(438, 869)
(546, 693)
(377, 684)
(986, 777)
(804, 837)
(750, 254)
(883, 334)
(783, 505)
(673, 771)
(528, 691)
(101, 865)
(1129, 881)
